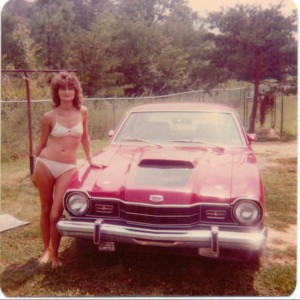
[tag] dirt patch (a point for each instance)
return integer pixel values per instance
(282, 239)
(269, 154)
(281, 246)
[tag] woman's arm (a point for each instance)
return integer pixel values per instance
(46, 128)
(85, 139)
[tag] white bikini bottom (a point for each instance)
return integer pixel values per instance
(55, 168)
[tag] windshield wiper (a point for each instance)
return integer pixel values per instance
(198, 142)
(140, 140)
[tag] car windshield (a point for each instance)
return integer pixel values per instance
(208, 128)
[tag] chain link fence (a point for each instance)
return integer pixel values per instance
(105, 113)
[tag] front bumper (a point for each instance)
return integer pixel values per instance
(211, 238)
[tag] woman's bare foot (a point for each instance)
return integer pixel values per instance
(56, 262)
(45, 258)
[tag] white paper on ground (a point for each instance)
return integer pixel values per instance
(8, 222)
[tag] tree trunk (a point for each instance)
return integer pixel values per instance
(254, 107)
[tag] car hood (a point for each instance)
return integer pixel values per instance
(171, 175)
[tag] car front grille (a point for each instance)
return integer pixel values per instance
(216, 214)
(155, 215)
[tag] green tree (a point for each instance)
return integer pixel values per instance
(138, 48)
(147, 11)
(187, 34)
(94, 56)
(86, 11)
(253, 44)
(159, 45)
(51, 27)
(150, 60)
(14, 26)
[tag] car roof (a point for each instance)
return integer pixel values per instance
(182, 106)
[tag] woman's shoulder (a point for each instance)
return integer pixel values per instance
(49, 115)
(83, 110)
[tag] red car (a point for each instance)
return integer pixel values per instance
(174, 175)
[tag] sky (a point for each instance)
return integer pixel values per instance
(206, 6)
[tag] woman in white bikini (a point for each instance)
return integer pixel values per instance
(63, 129)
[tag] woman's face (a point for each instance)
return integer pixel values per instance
(66, 93)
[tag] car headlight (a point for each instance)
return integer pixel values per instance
(247, 212)
(77, 204)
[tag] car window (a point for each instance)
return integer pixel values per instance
(169, 127)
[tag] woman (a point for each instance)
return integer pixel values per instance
(63, 129)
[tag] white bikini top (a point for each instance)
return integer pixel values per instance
(59, 130)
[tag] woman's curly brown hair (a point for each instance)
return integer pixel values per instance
(64, 79)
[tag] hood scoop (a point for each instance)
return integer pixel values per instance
(163, 173)
(166, 163)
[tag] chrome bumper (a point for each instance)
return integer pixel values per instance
(212, 238)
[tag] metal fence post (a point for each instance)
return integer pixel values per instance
(245, 117)
(281, 121)
(31, 159)
(114, 112)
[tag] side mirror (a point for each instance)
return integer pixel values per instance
(111, 133)
(251, 137)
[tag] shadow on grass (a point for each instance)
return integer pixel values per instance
(130, 273)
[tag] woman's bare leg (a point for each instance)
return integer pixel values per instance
(56, 212)
(45, 184)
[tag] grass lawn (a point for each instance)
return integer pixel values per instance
(140, 273)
